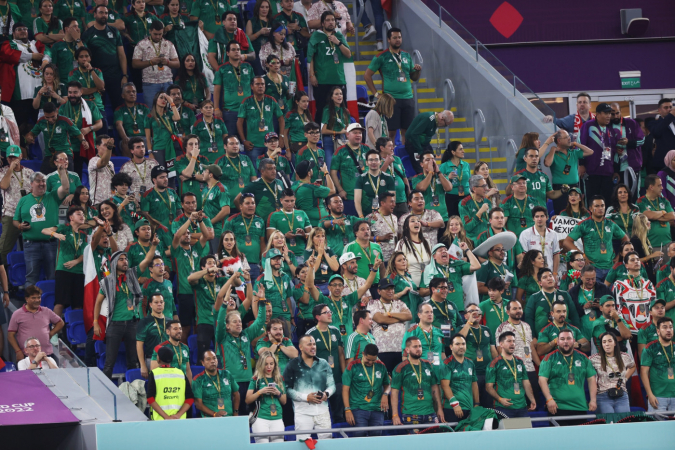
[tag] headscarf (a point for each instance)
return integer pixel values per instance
(109, 283)
(668, 159)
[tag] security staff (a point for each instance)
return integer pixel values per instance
(169, 392)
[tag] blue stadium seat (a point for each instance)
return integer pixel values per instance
(535, 414)
(48, 300)
(118, 162)
(397, 139)
(76, 332)
(141, 99)
(46, 286)
(32, 164)
(85, 176)
(133, 375)
(15, 258)
(196, 370)
(17, 274)
(99, 346)
(9, 367)
(73, 315)
(192, 345)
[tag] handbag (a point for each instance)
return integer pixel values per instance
(616, 392)
(255, 409)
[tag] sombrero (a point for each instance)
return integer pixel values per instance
(506, 238)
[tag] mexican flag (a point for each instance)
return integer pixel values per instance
(91, 289)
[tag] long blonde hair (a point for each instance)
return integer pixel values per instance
(271, 240)
(640, 230)
(461, 236)
(260, 370)
(310, 237)
(385, 105)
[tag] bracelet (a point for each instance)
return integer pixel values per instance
(550, 400)
(192, 157)
(52, 234)
(394, 415)
(347, 408)
(214, 414)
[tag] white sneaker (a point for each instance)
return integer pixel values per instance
(379, 46)
(369, 32)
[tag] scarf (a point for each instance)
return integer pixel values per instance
(89, 138)
(578, 122)
(28, 74)
(110, 288)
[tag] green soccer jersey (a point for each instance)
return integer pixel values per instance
(349, 164)
(129, 214)
(478, 345)
(121, 312)
(342, 313)
(192, 228)
(461, 376)
(489, 270)
(647, 335)
(505, 374)
(151, 331)
(40, 212)
(42, 27)
(54, 182)
(311, 198)
(133, 119)
(371, 187)
(307, 154)
(267, 196)
(565, 167)
(138, 28)
(339, 236)
(446, 318)
(165, 288)
(103, 45)
(136, 253)
(270, 407)
(328, 344)
(186, 261)
(473, 225)
(212, 388)
(296, 130)
(538, 184)
(597, 238)
(76, 115)
(538, 309)
(211, 137)
(290, 222)
(659, 233)
(278, 90)
(602, 325)
(236, 84)
(329, 62)
(71, 8)
(341, 121)
(101, 258)
(210, 12)
(401, 282)
(460, 184)
(366, 384)
(619, 272)
(453, 273)
(368, 256)
(238, 171)
(356, 343)
(214, 199)
(70, 249)
(86, 79)
(624, 221)
(63, 56)
(529, 285)
(277, 292)
(434, 195)
(282, 359)
(566, 390)
(280, 163)
(61, 136)
(235, 351)
(258, 115)
(665, 290)
(421, 130)
(324, 272)
(397, 172)
(161, 206)
(181, 354)
(494, 314)
(432, 343)
(205, 298)
(518, 213)
(304, 310)
(161, 129)
(396, 70)
(661, 361)
(113, 15)
(551, 331)
(291, 36)
(44, 99)
(411, 379)
(247, 232)
(193, 88)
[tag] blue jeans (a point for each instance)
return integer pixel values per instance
(378, 12)
(39, 254)
(601, 274)
(513, 413)
(328, 149)
(151, 89)
(230, 119)
(613, 405)
(665, 404)
(368, 419)
(255, 271)
(350, 209)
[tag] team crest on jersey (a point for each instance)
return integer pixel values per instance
(185, 353)
(110, 35)
(542, 179)
(487, 333)
(428, 372)
(470, 370)
(577, 363)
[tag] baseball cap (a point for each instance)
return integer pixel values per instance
(603, 107)
(141, 223)
(13, 150)
(436, 248)
(606, 298)
(273, 253)
(157, 171)
(347, 256)
(330, 280)
(214, 170)
(575, 189)
(518, 177)
(302, 168)
(271, 135)
(654, 302)
(385, 283)
(355, 126)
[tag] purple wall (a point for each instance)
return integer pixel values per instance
(589, 67)
(536, 20)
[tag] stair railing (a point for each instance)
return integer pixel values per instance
(357, 21)
(416, 59)
(449, 97)
(478, 129)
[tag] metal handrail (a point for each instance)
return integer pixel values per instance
(478, 136)
(357, 20)
(448, 87)
(416, 54)
(386, 26)
(343, 430)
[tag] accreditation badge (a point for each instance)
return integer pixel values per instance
(570, 379)
(248, 241)
(221, 404)
(603, 248)
(516, 388)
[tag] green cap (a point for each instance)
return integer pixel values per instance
(518, 177)
(606, 298)
(575, 189)
(273, 253)
(658, 300)
(436, 248)
(14, 150)
(330, 280)
(141, 223)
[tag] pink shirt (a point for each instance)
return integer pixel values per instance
(27, 324)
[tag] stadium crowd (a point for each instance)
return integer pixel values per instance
(375, 304)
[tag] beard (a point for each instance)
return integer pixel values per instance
(615, 121)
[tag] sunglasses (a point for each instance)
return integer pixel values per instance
(248, 195)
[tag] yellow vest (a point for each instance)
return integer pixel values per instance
(170, 391)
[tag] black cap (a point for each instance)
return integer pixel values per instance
(603, 107)
(157, 171)
(385, 283)
(302, 168)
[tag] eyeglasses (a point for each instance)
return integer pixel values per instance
(248, 195)
(34, 346)
(476, 311)
(482, 186)
(498, 250)
(158, 265)
(326, 312)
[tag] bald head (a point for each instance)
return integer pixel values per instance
(445, 118)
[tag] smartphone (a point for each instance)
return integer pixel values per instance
(320, 161)
(319, 393)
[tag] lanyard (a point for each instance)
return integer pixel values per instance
(368, 253)
(272, 191)
(237, 169)
(249, 223)
(260, 106)
(338, 308)
(158, 49)
(329, 346)
(159, 330)
(17, 178)
(280, 287)
(145, 169)
(349, 284)
(76, 241)
(212, 290)
(602, 235)
(513, 371)
(419, 377)
(571, 361)
(480, 335)
(497, 310)
(86, 76)
(503, 274)
(550, 303)
(291, 220)
(372, 372)
(216, 383)
(429, 339)
(168, 204)
(666, 353)
(133, 114)
(374, 185)
(521, 332)
(211, 131)
(445, 313)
